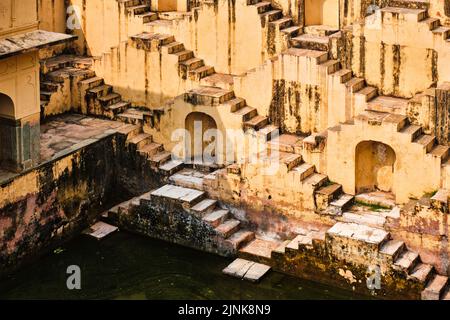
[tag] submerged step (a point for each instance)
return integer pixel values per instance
(100, 230)
(247, 270)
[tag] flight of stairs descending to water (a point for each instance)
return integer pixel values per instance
(223, 224)
(360, 239)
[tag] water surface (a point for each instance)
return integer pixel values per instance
(127, 266)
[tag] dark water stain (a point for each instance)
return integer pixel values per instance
(126, 266)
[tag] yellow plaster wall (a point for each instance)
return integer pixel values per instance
(19, 79)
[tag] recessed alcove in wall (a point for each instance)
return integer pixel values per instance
(322, 12)
(375, 166)
(201, 141)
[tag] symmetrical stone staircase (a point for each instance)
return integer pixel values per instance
(186, 189)
(359, 244)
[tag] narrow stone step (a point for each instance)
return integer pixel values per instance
(344, 75)
(359, 232)
(45, 95)
(118, 107)
(432, 23)
(422, 272)
(228, 227)
(92, 82)
(300, 241)
(435, 288)
(287, 143)
(311, 42)
(247, 270)
(185, 195)
(368, 93)
(392, 249)
(150, 149)
(269, 132)
(282, 23)
(440, 151)
(101, 90)
(192, 64)
(236, 104)
(208, 96)
(326, 194)
(271, 15)
(331, 66)
(246, 113)
(367, 219)
(49, 86)
(187, 181)
(316, 180)
(413, 131)
(221, 80)
(201, 72)
(141, 140)
(292, 31)
(217, 217)
(149, 17)
(404, 14)
(240, 238)
(256, 123)
(172, 47)
(407, 261)
(427, 141)
(160, 158)
(204, 207)
(171, 166)
(355, 84)
(184, 55)
(443, 32)
(263, 6)
(259, 248)
(304, 170)
(139, 9)
(109, 99)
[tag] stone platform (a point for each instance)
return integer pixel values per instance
(66, 133)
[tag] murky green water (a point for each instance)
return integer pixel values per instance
(126, 266)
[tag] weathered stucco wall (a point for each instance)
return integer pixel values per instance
(44, 206)
(54, 201)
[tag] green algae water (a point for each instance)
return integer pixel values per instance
(127, 266)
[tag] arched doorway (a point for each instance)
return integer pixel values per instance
(201, 143)
(322, 12)
(6, 106)
(375, 166)
(7, 142)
